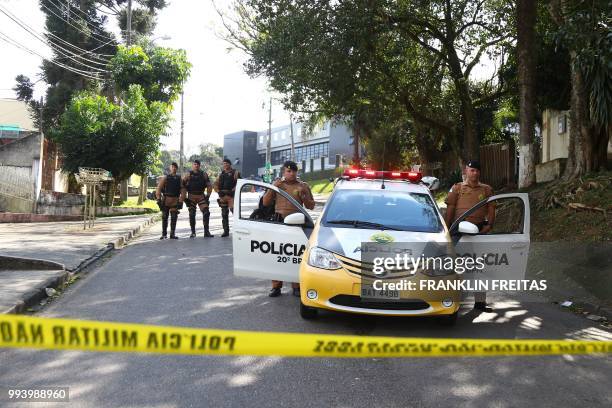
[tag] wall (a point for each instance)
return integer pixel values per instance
(17, 189)
(555, 141)
(21, 152)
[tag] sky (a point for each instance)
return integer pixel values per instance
(219, 97)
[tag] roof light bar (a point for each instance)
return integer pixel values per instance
(413, 176)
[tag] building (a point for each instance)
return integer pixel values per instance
(328, 146)
(555, 145)
(15, 121)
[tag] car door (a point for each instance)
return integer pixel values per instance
(264, 248)
(506, 247)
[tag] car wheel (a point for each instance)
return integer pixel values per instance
(448, 320)
(307, 312)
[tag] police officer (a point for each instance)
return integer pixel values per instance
(197, 188)
(225, 185)
(170, 200)
(464, 196)
(300, 191)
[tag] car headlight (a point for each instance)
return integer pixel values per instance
(435, 268)
(321, 258)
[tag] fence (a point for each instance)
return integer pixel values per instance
(17, 189)
(498, 163)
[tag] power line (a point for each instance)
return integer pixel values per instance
(86, 74)
(104, 37)
(85, 17)
(68, 53)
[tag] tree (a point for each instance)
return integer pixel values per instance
(161, 72)
(526, 12)
(211, 157)
(583, 28)
(143, 15)
(358, 59)
(122, 138)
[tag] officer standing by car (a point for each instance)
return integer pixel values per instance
(170, 200)
(463, 196)
(197, 187)
(300, 191)
(225, 185)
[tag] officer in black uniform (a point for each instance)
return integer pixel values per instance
(197, 187)
(170, 200)
(225, 185)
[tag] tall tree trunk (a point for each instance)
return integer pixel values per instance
(580, 147)
(526, 11)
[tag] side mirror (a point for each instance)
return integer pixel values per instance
(331, 179)
(432, 182)
(466, 227)
(299, 219)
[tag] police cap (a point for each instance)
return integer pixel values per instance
(290, 165)
(475, 164)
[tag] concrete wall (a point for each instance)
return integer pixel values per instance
(21, 152)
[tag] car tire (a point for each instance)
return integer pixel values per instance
(448, 320)
(307, 312)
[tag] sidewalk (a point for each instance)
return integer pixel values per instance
(66, 246)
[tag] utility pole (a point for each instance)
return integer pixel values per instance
(182, 131)
(68, 11)
(41, 157)
(129, 23)
(269, 145)
(292, 158)
(124, 190)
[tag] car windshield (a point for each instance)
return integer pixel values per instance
(394, 210)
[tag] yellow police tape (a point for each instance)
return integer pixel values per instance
(63, 334)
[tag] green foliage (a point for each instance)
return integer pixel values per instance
(160, 71)
(210, 158)
(123, 139)
(586, 33)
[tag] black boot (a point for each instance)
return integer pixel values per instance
(207, 233)
(192, 222)
(164, 225)
(225, 221)
(173, 219)
(275, 292)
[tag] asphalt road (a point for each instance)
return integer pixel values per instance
(190, 283)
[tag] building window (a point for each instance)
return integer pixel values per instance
(261, 139)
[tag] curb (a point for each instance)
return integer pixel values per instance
(16, 263)
(39, 293)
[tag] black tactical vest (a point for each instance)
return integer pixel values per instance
(197, 182)
(173, 185)
(227, 180)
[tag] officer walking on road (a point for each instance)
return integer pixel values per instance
(464, 196)
(300, 191)
(225, 185)
(170, 200)
(197, 187)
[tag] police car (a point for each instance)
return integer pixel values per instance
(330, 259)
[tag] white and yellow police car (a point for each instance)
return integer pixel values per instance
(328, 257)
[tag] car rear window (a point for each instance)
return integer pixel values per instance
(393, 209)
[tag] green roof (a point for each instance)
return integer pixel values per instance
(10, 128)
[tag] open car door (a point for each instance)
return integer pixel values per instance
(265, 248)
(506, 246)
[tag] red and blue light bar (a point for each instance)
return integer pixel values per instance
(412, 176)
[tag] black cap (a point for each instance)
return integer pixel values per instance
(290, 165)
(174, 164)
(228, 161)
(197, 162)
(475, 164)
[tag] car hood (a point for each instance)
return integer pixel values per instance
(348, 241)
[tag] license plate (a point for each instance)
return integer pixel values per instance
(371, 293)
